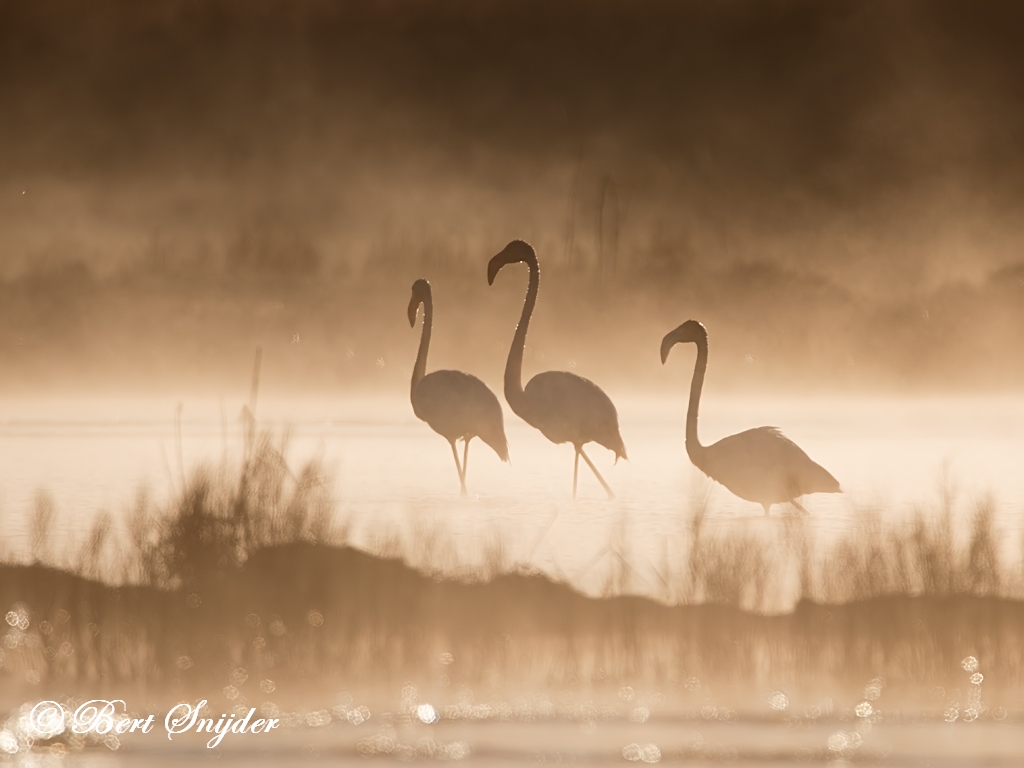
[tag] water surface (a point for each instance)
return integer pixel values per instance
(393, 476)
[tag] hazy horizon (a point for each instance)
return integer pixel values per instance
(833, 189)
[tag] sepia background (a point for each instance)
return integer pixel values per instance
(833, 189)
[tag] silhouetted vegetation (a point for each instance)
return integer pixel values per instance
(244, 570)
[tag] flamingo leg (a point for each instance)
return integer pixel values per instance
(465, 462)
(597, 474)
(575, 472)
(462, 474)
(799, 507)
(766, 508)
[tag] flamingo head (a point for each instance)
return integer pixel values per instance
(690, 331)
(514, 252)
(420, 294)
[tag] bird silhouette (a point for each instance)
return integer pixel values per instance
(456, 405)
(566, 408)
(760, 465)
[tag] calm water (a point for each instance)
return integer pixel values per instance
(393, 474)
(618, 740)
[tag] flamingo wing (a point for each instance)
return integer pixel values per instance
(568, 408)
(459, 405)
(765, 466)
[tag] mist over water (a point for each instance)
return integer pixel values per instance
(391, 474)
(832, 189)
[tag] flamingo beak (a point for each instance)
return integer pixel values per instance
(493, 266)
(414, 305)
(666, 344)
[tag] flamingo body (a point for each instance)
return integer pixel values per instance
(760, 465)
(566, 408)
(456, 405)
(764, 466)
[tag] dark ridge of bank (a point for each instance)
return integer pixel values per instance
(306, 612)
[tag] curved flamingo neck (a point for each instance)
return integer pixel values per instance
(693, 447)
(514, 366)
(419, 370)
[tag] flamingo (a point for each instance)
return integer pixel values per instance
(760, 465)
(456, 405)
(566, 408)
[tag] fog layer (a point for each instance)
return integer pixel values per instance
(832, 188)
